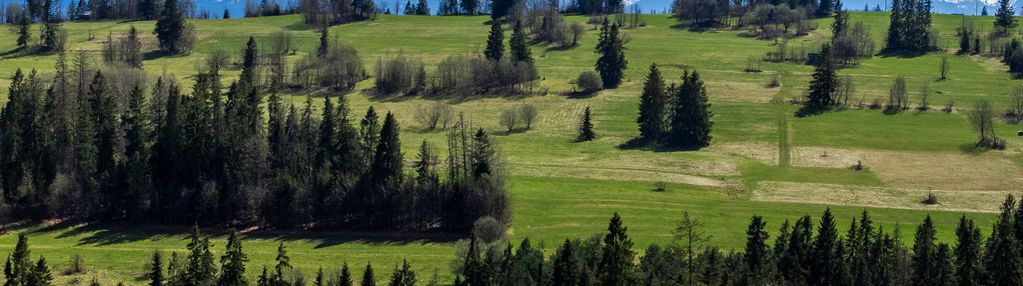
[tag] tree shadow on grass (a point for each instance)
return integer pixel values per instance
(152, 55)
(102, 234)
(900, 54)
(972, 149)
(809, 110)
(574, 94)
(643, 144)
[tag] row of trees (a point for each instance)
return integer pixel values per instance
(675, 116)
(703, 14)
(800, 254)
(75, 149)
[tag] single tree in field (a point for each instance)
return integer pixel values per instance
(495, 42)
(509, 118)
(651, 106)
(616, 261)
(823, 84)
(170, 26)
(586, 127)
(529, 114)
(691, 116)
(943, 68)
(1005, 17)
(24, 30)
(982, 120)
(611, 62)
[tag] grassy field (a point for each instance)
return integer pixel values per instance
(762, 161)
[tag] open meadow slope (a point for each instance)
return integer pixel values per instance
(762, 160)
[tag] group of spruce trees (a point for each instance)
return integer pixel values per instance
(676, 116)
(910, 27)
(73, 149)
(611, 62)
(47, 14)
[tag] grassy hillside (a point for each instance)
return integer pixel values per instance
(762, 161)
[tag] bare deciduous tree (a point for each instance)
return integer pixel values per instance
(982, 121)
(529, 113)
(509, 118)
(434, 115)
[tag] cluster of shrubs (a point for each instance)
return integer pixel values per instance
(460, 75)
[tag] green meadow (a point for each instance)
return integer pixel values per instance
(762, 161)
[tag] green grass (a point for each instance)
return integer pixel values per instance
(561, 189)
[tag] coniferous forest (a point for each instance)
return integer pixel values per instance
(75, 148)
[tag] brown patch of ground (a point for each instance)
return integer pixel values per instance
(878, 197)
(825, 157)
(961, 172)
(759, 151)
(617, 174)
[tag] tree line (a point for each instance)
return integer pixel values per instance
(803, 252)
(81, 146)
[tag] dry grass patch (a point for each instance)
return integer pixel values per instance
(823, 157)
(959, 172)
(616, 174)
(758, 151)
(877, 197)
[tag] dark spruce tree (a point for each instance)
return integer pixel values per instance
(611, 61)
(499, 9)
(925, 255)
(518, 44)
(170, 26)
(616, 267)
(1005, 17)
(321, 50)
(156, 270)
(968, 267)
(823, 258)
(1002, 261)
(586, 127)
(345, 277)
(232, 269)
(691, 116)
(823, 84)
(565, 267)
(367, 276)
(651, 106)
(403, 276)
(756, 258)
(387, 162)
(495, 42)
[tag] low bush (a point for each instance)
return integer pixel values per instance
(589, 82)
